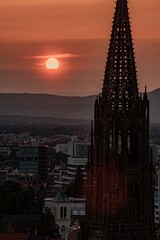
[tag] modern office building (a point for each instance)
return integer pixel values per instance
(72, 165)
(33, 161)
(155, 152)
(78, 158)
(74, 148)
(78, 149)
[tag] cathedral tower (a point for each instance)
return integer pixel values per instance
(119, 192)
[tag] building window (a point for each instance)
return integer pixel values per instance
(65, 212)
(63, 228)
(119, 142)
(129, 142)
(61, 212)
(110, 139)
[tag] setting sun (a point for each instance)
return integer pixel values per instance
(52, 63)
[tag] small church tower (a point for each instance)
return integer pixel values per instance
(62, 211)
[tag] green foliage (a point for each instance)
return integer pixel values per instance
(37, 207)
(9, 190)
(9, 186)
(76, 189)
(57, 158)
(15, 200)
(70, 190)
(25, 201)
(11, 203)
(2, 206)
(78, 183)
(47, 225)
(61, 157)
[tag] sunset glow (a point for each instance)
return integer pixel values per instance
(52, 63)
(77, 34)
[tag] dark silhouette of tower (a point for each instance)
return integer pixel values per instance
(119, 192)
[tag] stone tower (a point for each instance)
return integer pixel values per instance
(119, 192)
(61, 209)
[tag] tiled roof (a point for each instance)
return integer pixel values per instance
(19, 223)
(61, 197)
(14, 236)
(72, 236)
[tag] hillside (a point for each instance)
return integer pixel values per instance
(45, 105)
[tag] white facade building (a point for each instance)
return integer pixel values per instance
(61, 209)
(78, 149)
(155, 151)
(66, 210)
(62, 148)
(72, 165)
(157, 195)
(78, 158)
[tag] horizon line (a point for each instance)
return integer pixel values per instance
(61, 95)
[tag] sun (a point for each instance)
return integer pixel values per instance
(52, 63)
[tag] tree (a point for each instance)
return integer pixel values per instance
(2, 207)
(9, 191)
(78, 183)
(11, 203)
(25, 201)
(76, 189)
(47, 225)
(37, 207)
(9, 186)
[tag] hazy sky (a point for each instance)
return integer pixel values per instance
(77, 33)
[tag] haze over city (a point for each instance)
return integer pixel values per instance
(75, 165)
(75, 33)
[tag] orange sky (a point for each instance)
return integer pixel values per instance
(80, 28)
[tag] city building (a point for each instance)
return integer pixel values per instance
(72, 165)
(119, 190)
(68, 212)
(74, 148)
(77, 210)
(61, 209)
(157, 195)
(78, 158)
(5, 151)
(78, 149)
(33, 162)
(3, 174)
(56, 175)
(62, 147)
(155, 152)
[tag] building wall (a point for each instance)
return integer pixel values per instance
(3, 175)
(157, 196)
(34, 160)
(28, 160)
(72, 165)
(62, 213)
(155, 150)
(78, 149)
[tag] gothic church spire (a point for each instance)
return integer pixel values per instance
(120, 80)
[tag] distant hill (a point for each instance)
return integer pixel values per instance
(61, 107)
(46, 105)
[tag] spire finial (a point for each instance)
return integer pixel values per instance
(145, 88)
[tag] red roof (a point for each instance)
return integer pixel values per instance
(72, 236)
(14, 236)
